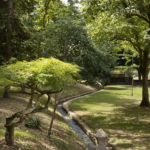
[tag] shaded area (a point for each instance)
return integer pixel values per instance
(27, 139)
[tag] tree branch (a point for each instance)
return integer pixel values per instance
(130, 41)
(23, 113)
(139, 16)
(48, 91)
(134, 45)
(45, 14)
(126, 4)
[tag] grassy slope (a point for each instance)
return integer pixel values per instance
(117, 112)
(63, 138)
(75, 90)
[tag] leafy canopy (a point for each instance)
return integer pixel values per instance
(44, 74)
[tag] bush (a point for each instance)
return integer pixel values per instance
(33, 122)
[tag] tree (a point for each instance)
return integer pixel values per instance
(9, 26)
(46, 12)
(68, 40)
(13, 31)
(42, 76)
(128, 25)
(64, 36)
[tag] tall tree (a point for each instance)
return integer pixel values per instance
(13, 31)
(125, 24)
(141, 10)
(68, 40)
(9, 27)
(42, 76)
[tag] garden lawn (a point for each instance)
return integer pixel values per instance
(118, 113)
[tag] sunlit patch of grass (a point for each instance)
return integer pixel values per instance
(119, 114)
(2, 132)
(25, 134)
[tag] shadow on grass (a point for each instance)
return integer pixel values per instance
(126, 119)
(125, 145)
(119, 115)
(128, 127)
(59, 143)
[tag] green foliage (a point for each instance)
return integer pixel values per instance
(45, 28)
(65, 37)
(121, 28)
(42, 74)
(33, 122)
(68, 40)
(20, 31)
(120, 22)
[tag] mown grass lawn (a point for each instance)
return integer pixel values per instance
(119, 114)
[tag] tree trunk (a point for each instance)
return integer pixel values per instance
(30, 101)
(139, 75)
(23, 88)
(52, 120)
(9, 28)
(6, 92)
(45, 13)
(145, 94)
(145, 72)
(47, 103)
(17, 118)
(9, 134)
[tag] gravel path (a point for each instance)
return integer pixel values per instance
(82, 136)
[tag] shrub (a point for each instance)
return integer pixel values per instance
(33, 122)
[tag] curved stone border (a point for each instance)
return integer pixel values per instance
(84, 134)
(70, 98)
(81, 124)
(76, 118)
(89, 145)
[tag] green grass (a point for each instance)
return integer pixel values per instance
(2, 132)
(117, 112)
(74, 91)
(19, 133)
